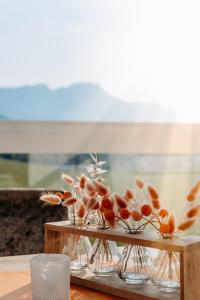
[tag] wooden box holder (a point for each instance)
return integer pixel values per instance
(188, 247)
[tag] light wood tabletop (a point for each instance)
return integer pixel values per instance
(15, 283)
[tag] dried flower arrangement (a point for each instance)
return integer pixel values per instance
(90, 201)
(169, 228)
(82, 196)
(166, 273)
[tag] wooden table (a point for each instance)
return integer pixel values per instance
(15, 282)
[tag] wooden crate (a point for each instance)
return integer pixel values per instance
(188, 247)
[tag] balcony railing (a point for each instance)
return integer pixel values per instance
(84, 137)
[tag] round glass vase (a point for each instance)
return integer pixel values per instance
(166, 274)
(135, 265)
(104, 258)
(79, 249)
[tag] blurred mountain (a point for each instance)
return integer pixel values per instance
(78, 102)
(2, 117)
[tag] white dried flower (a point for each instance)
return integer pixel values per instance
(67, 179)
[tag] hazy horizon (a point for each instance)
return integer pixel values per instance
(77, 102)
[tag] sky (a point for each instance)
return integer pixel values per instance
(137, 50)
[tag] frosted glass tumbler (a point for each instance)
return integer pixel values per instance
(50, 277)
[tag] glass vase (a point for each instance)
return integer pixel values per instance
(104, 258)
(166, 274)
(79, 249)
(135, 264)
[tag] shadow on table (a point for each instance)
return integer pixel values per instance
(23, 293)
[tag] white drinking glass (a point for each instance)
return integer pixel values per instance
(50, 277)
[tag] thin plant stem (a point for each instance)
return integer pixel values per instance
(149, 221)
(74, 220)
(120, 219)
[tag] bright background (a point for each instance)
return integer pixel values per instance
(140, 51)
(137, 50)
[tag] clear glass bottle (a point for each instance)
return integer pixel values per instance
(166, 274)
(104, 258)
(135, 264)
(79, 249)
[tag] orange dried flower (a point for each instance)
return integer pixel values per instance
(102, 209)
(96, 206)
(51, 199)
(172, 223)
(81, 211)
(139, 182)
(85, 200)
(68, 202)
(92, 194)
(146, 210)
(67, 179)
(67, 195)
(129, 194)
(91, 203)
(109, 215)
(163, 213)
(90, 187)
(193, 212)
(186, 225)
(120, 201)
(194, 192)
(59, 195)
(107, 203)
(124, 213)
(156, 203)
(100, 188)
(82, 182)
(153, 192)
(165, 228)
(136, 215)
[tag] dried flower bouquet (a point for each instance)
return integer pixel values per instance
(91, 202)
